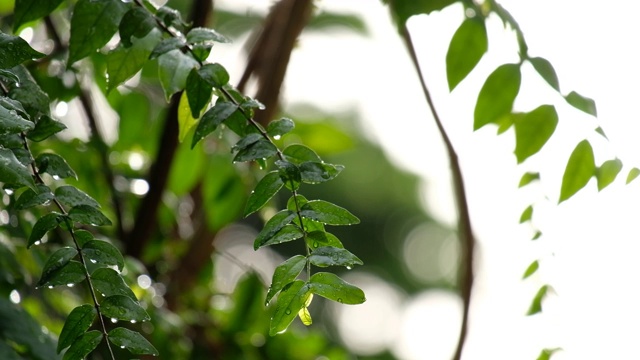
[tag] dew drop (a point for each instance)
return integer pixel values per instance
(133, 321)
(340, 300)
(288, 311)
(50, 286)
(121, 346)
(37, 242)
(70, 285)
(315, 244)
(114, 320)
(93, 261)
(349, 268)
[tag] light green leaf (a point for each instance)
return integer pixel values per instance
(296, 202)
(497, 95)
(69, 274)
(332, 256)
(312, 172)
(46, 223)
(298, 154)
(27, 10)
(537, 235)
(103, 253)
(93, 23)
(304, 314)
(83, 237)
(468, 45)
(185, 121)
(546, 354)
(108, 282)
(14, 51)
(198, 91)
(122, 307)
(137, 23)
(54, 165)
(266, 188)
(125, 61)
(12, 123)
(82, 346)
(580, 168)
(277, 222)
(291, 299)
(71, 196)
(319, 238)
(328, 213)
(536, 303)
(214, 74)
(13, 172)
(78, 321)
(528, 177)
(173, 70)
(45, 127)
(633, 174)
(531, 269)
(30, 198)
(284, 274)
(212, 119)
(526, 214)
(280, 127)
(533, 130)
(132, 341)
(545, 69)
(332, 287)
(582, 103)
(88, 215)
(204, 35)
(607, 172)
(56, 261)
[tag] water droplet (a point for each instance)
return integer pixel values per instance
(277, 137)
(50, 286)
(37, 242)
(93, 261)
(288, 311)
(348, 267)
(114, 320)
(70, 285)
(133, 321)
(121, 346)
(340, 300)
(315, 244)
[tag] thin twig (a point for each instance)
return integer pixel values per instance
(464, 220)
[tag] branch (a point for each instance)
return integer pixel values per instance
(464, 225)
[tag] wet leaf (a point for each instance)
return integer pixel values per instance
(261, 149)
(55, 262)
(137, 22)
(14, 51)
(12, 123)
(30, 198)
(298, 154)
(45, 224)
(13, 172)
(318, 172)
(122, 307)
(28, 10)
(200, 35)
(333, 256)
(173, 70)
(320, 238)
(266, 188)
(54, 165)
(332, 287)
(579, 170)
(214, 74)
(277, 222)
(78, 321)
(286, 234)
(185, 121)
(88, 215)
(212, 119)
(83, 345)
(103, 253)
(71, 196)
(132, 341)
(108, 282)
(468, 45)
(304, 314)
(45, 127)
(290, 301)
(71, 273)
(328, 213)
(198, 92)
(290, 174)
(280, 127)
(167, 45)
(123, 62)
(284, 274)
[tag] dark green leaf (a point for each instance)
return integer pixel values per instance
(11, 141)
(88, 215)
(250, 104)
(533, 130)
(266, 188)
(31, 198)
(11, 104)
(83, 237)
(333, 256)
(54, 165)
(580, 168)
(332, 287)
(607, 172)
(286, 234)
(199, 35)
(71, 273)
(290, 174)
(173, 70)
(261, 149)
(528, 177)
(167, 45)
(45, 127)
(468, 45)
(7, 352)
(103, 253)
(633, 174)
(32, 98)
(108, 282)
(546, 354)
(319, 238)
(214, 74)
(298, 154)
(317, 172)
(132, 341)
(93, 23)
(284, 274)
(137, 22)
(124, 62)
(43, 225)
(198, 91)
(78, 321)
(24, 156)
(545, 69)
(201, 51)
(582, 103)
(12, 123)
(277, 222)
(402, 10)
(536, 304)
(531, 269)
(328, 213)
(291, 299)
(23, 332)
(70, 195)
(122, 307)
(56, 261)
(27, 10)
(14, 51)
(497, 95)
(82, 346)
(170, 17)
(280, 127)
(212, 119)
(526, 214)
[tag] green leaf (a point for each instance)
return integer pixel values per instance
(123, 62)
(320, 238)
(83, 345)
(199, 92)
(214, 74)
(533, 130)
(83, 237)
(11, 104)
(54, 165)
(170, 17)
(93, 23)
(43, 225)
(332, 287)
(468, 45)
(291, 299)
(250, 104)
(531, 269)
(69, 274)
(526, 214)
(27, 10)
(546, 354)
(71, 196)
(185, 121)
(173, 70)
(103, 253)
(266, 188)
(45, 127)
(318, 172)
(280, 127)
(536, 303)
(607, 172)
(108, 282)
(167, 45)
(298, 154)
(88, 215)
(497, 95)
(277, 222)
(122, 307)
(200, 35)
(13, 172)
(296, 202)
(286, 234)
(12, 123)
(328, 213)
(580, 168)
(402, 10)
(137, 22)
(537, 235)
(545, 69)
(582, 103)
(528, 177)
(261, 149)
(30, 198)
(78, 321)
(633, 174)
(132, 341)
(333, 256)
(212, 119)
(290, 174)
(304, 314)
(14, 51)
(284, 274)
(56, 261)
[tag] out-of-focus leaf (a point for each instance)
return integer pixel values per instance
(402, 10)
(526, 214)
(122, 307)
(531, 269)
(607, 172)
(332, 287)
(13, 172)
(533, 130)
(212, 119)
(45, 127)
(582, 103)
(332, 256)
(528, 177)
(284, 274)
(468, 45)
(27, 10)
(78, 321)
(83, 345)
(132, 341)
(325, 21)
(497, 95)
(173, 70)
(266, 188)
(328, 213)
(633, 174)
(14, 51)
(545, 69)
(546, 354)
(579, 170)
(536, 303)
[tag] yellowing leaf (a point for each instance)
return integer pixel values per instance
(185, 120)
(304, 314)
